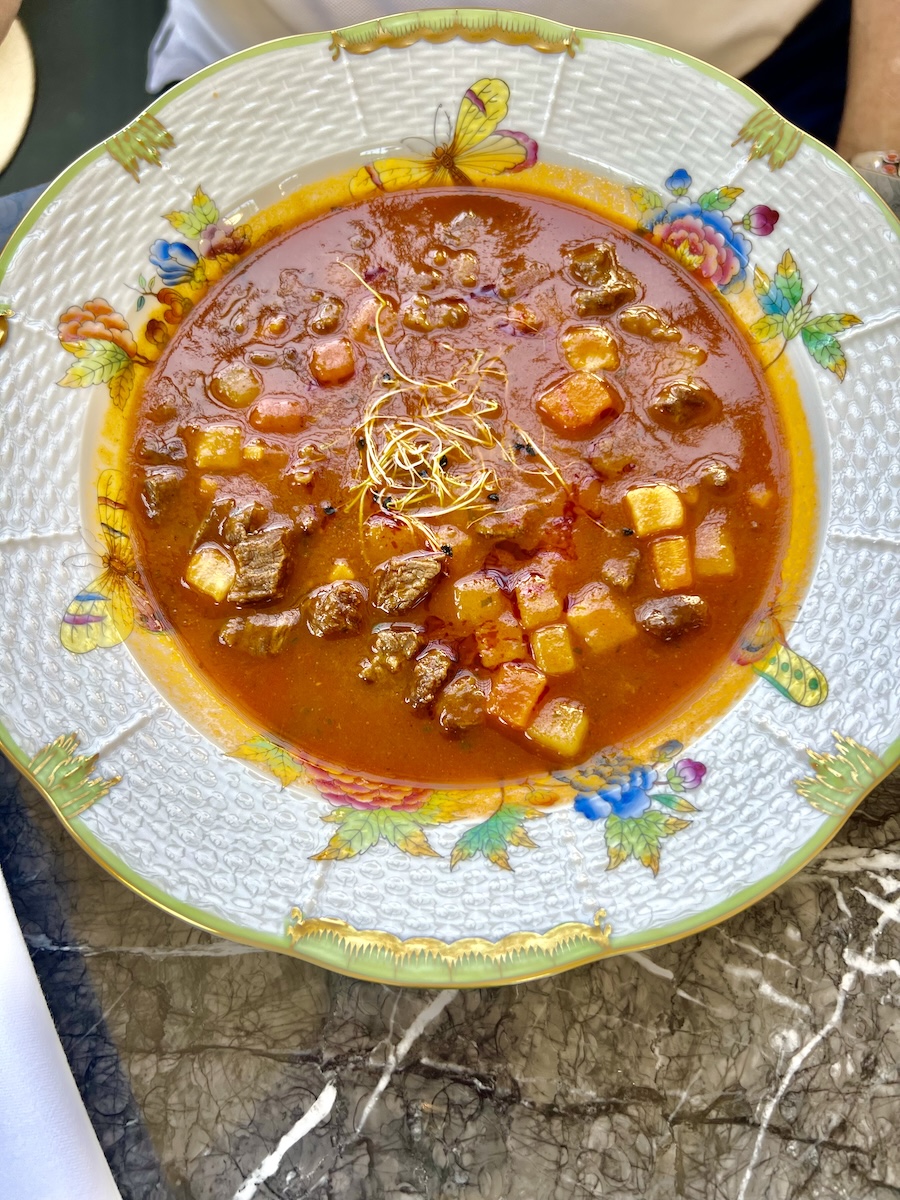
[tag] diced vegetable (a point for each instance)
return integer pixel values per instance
(671, 560)
(385, 536)
(578, 402)
(341, 570)
(599, 619)
(327, 316)
(218, 448)
(210, 571)
(561, 727)
(515, 690)
(279, 414)
(500, 640)
(538, 603)
(647, 322)
(332, 362)
(258, 451)
(590, 348)
(464, 554)
(478, 598)
(552, 649)
(655, 509)
(362, 326)
(235, 384)
(713, 549)
(207, 486)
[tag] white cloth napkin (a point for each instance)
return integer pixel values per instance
(48, 1148)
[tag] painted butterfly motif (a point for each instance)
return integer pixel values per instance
(103, 613)
(476, 146)
(767, 651)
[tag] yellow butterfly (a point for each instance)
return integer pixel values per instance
(103, 614)
(476, 146)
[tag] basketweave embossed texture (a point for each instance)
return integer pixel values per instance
(220, 839)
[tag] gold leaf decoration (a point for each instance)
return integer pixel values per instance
(68, 778)
(840, 780)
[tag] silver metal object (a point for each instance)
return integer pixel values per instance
(881, 170)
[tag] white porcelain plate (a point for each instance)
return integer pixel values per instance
(214, 822)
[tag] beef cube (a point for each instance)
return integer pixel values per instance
(684, 404)
(336, 608)
(403, 581)
(462, 703)
(210, 528)
(160, 489)
(155, 449)
(647, 322)
(260, 633)
(592, 263)
(602, 301)
(243, 521)
(429, 674)
(392, 647)
(620, 572)
(671, 617)
(261, 559)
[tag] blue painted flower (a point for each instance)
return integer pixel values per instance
(174, 261)
(705, 240)
(623, 796)
(678, 182)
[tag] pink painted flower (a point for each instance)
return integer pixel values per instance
(97, 319)
(223, 238)
(706, 242)
(343, 787)
(690, 773)
(761, 220)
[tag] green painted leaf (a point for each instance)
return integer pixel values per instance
(639, 837)
(120, 386)
(766, 328)
(359, 832)
(788, 279)
(795, 320)
(98, 361)
(840, 779)
(645, 199)
(140, 302)
(491, 838)
(679, 803)
(826, 350)
(274, 758)
(142, 282)
(720, 200)
(402, 831)
(69, 777)
(832, 323)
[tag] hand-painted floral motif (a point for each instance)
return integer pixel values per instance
(475, 147)
(699, 233)
(103, 613)
(786, 314)
(623, 794)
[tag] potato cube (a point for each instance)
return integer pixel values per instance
(207, 486)
(218, 448)
(599, 619)
(579, 402)
(211, 572)
(464, 554)
(478, 598)
(561, 727)
(552, 649)
(671, 559)
(362, 325)
(713, 550)
(332, 362)
(538, 603)
(515, 690)
(590, 348)
(235, 385)
(341, 569)
(258, 451)
(500, 640)
(655, 509)
(386, 537)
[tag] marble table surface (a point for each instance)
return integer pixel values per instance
(759, 1060)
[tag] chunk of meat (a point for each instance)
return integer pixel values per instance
(644, 321)
(593, 262)
(462, 704)
(210, 527)
(606, 285)
(619, 572)
(392, 647)
(327, 316)
(672, 616)
(684, 404)
(429, 675)
(160, 488)
(336, 608)
(403, 581)
(161, 450)
(604, 300)
(260, 633)
(261, 559)
(247, 519)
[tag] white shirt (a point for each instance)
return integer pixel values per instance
(735, 35)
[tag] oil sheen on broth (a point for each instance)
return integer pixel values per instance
(458, 485)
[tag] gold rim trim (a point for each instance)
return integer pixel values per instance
(508, 28)
(141, 141)
(573, 935)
